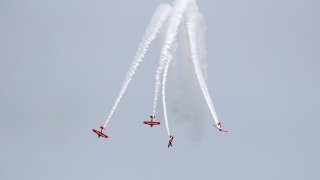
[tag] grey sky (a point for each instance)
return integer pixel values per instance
(62, 64)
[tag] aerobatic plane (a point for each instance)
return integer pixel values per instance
(218, 126)
(170, 141)
(100, 133)
(151, 122)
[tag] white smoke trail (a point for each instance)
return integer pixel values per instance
(178, 11)
(157, 21)
(191, 24)
(169, 39)
(164, 79)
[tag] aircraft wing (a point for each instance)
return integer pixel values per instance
(220, 129)
(99, 133)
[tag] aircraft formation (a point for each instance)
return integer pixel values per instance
(152, 123)
(170, 19)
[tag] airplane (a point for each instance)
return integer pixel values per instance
(218, 126)
(100, 133)
(170, 141)
(151, 122)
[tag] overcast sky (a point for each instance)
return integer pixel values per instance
(62, 64)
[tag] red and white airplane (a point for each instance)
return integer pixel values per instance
(218, 126)
(151, 122)
(100, 133)
(170, 141)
